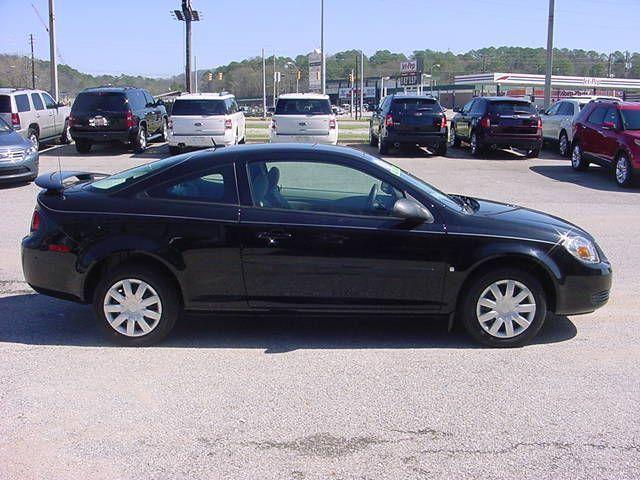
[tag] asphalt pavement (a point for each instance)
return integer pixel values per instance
(272, 397)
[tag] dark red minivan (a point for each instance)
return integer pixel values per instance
(608, 133)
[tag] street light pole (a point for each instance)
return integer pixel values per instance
(435, 65)
(52, 51)
(324, 62)
(264, 86)
(547, 79)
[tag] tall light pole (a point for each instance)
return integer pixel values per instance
(547, 78)
(435, 65)
(361, 83)
(324, 59)
(187, 15)
(52, 51)
(264, 86)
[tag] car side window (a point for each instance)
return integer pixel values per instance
(148, 99)
(467, 107)
(22, 103)
(48, 101)
(478, 107)
(320, 187)
(216, 185)
(612, 117)
(597, 116)
(567, 109)
(137, 100)
(37, 101)
(555, 109)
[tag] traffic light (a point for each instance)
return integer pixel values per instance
(298, 75)
(219, 76)
(209, 77)
(351, 77)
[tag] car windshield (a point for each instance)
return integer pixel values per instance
(120, 180)
(410, 105)
(631, 119)
(421, 185)
(199, 107)
(511, 108)
(89, 102)
(4, 126)
(303, 106)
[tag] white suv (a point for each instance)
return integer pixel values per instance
(35, 115)
(303, 118)
(557, 121)
(205, 120)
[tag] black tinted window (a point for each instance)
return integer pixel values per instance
(408, 105)
(199, 107)
(291, 106)
(22, 102)
(478, 107)
(99, 102)
(612, 117)
(215, 186)
(597, 116)
(631, 119)
(37, 101)
(511, 108)
(137, 99)
(48, 101)
(5, 104)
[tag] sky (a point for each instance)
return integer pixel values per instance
(141, 38)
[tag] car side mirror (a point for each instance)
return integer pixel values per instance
(412, 211)
(159, 103)
(609, 126)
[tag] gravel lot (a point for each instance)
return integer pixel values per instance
(343, 398)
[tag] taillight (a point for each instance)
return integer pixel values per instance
(444, 122)
(388, 120)
(332, 124)
(70, 121)
(35, 221)
(15, 121)
(227, 124)
(485, 122)
(54, 247)
(129, 119)
(539, 123)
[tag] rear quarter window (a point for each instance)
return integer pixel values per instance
(303, 106)
(5, 104)
(22, 103)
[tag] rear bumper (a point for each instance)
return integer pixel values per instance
(124, 136)
(330, 139)
(17, 171)
(203, 141)
(422, 139)
(580, 294)
(516, 141)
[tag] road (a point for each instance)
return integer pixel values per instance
(345, 398)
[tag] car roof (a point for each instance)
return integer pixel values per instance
(205, 96)
(300, 96)
(413, 95)
(505, 99)
(9, 90)
(109, 89)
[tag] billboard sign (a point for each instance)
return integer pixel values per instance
(345, 92)
(315, 71)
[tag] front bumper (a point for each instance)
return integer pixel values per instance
(17, 171)
(330, 139)
(96, 136)
(578, 294)
(201, 141)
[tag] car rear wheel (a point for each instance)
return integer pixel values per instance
(373, 140)
(164, 133)
(136, 305)
(442, 149)
(383, 147)
(454, 140)
(577, 159)
(65, 138)
(563, 144)
(533, 153)
(140, 142)
(33, 136)
(476, 146)
(83, 146)
(504, 308)
(624, 172)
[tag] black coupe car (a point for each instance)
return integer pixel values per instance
(307, 229)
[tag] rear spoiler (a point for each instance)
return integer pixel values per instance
(58, 181)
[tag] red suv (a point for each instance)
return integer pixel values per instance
(608, 133)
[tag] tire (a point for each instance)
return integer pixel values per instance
(623, 171)
(164, 133)
(383, 147)
(476, 146)
(454, 139)
(162, 314)
(533, 153)
(32, 134)
(65, 138)
(578, 162)
(481, 288)
(140, 142)
(83, 146)
(442, 149)
(373, 140)
(173, 150)
(563, 144)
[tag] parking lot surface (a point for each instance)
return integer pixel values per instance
(274, 397)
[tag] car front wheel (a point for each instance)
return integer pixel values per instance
(136, 305)
(563, 145)
(504, 308)
(140, 142)
(476, 146)
(624, 172)
(577, 159)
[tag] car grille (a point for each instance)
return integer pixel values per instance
(600, 297)
(11, 155)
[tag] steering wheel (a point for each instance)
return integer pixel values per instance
(371, 201)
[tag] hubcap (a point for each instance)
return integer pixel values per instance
(563, 145)
(576, 156)
(132, 307)
(506, 308)
(474, 143)
(622, 170)
(452, 137)
(143, 138)
(34, 139)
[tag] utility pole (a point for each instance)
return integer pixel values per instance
(609, 70)
(361, 83)
(274, 80)
(324, 58)
(352, 85)
(195, 73)
(187, 15)
(355, 81)
(547, 80)
(33, 63)
(52, 51)
(264, 86)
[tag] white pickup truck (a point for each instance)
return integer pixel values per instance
(35, 115)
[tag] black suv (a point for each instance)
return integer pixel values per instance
(409, 120)
(501, 122)
(122, 114)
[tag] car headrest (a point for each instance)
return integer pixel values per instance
(260, 188)
(273, 176)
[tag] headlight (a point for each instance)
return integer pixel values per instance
(30, 151)
(581, 248)
(637, 142)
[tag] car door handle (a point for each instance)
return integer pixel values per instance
(273, 238)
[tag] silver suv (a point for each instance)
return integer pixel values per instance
(35, 115)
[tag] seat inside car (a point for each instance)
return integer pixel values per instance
(274, 196)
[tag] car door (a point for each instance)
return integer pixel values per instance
(318, 233)
(56, 121)
(42, 116)
(153, 113)
(463, 127)
(607, 144)
(550, 122)
(591, 135)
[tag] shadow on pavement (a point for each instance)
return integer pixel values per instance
(153, 151)
(40, 320)
(6, 185)
(598, 178)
